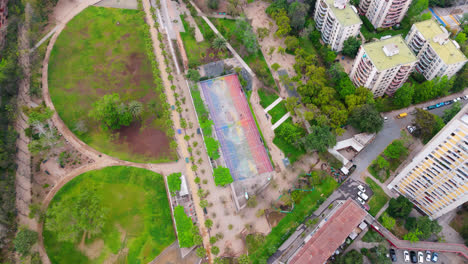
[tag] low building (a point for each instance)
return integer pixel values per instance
(384, 14)
(438, 55)
(383, 66)
(337, 20)
(331, 233)
(436, 180)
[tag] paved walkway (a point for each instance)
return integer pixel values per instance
(279, 122)
(277, 101)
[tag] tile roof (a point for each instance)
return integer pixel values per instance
(331, 235)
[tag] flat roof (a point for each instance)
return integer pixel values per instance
(375, 52)
(345, 16)
(331, 235)
(448, 52)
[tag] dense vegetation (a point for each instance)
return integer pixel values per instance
(174, 182)
(185, 228)
(222, 176)
(389, 160)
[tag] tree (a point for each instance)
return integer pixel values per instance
(366, 119)
(174, 182)
(201, 253)
(111, 112)
(222, 176)
(404, 96)
(396, 150)
(245, 32)
(24, 240)
(416, 8)
(212, 146)
(215, 250)
(352, 257)
(451, 112)
(427, 124)
(360, 97)
(252, 201)
(297, 13)
(388, 221)
(289, 132)
(320, 139)
(351, 46)
(412, 236)
(283, 23)
(399, 207)
(208, 223)
(291, 42)
(382, 163)
(213, 4)
(193, 75)
(243, 259)
(427, 227)
(73, 216)
(136, 109)
(275, 66)
(219, 43)
(461, 38)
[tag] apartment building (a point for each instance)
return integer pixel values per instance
(3, 20)
(438, 55)
(383, 66)
(436, 181)
(384, 13)
(337, 20)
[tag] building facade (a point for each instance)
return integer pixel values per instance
(438, 55)
(383, 66)
(3, 21)
(436, 181)
(337, 20)
(384, 13)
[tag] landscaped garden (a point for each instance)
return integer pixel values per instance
(113, 215)
(389, 160)
(101, 52)
(378, 200)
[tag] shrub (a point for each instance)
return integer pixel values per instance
(222, 176)
(184, 227)
(174, 182)
(24, 240)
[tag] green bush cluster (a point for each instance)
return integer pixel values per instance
(174, 182)
(222, 176)
(185, 227)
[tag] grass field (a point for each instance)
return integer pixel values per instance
(378, 200)
(266, 98)
(139, 215)
(102, 51)
(278, 112)
(309, 202)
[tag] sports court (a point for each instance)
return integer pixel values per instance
(241, 145)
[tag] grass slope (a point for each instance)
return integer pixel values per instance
(102, 51)
(378, 200)
(138, 207)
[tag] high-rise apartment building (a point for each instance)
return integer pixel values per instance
(438, 55)
(337, 20)
(436, 180)
(383, 66)
(384, 13)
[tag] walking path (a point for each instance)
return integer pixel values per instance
(279, 122)
(277, 101)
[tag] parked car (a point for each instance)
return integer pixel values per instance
(420, 257)
(393, 255)
(457, 99)
(411, 129)
(431, 107)
(439, 105)
(448, 102)
(361, 188)
(435, 257)
(428, 255)
(465, 97)
(424, 108)
(385, 118)
(363, 196)
(413, 257)
(361, 201)
(406, 255)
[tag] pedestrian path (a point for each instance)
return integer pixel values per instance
(44, 38)
(277, 101)
(279, 122)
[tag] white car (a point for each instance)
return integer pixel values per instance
(363, 196)
(420, 257)
(361, 188)
(361, 201)
(406, 255)
(385, 118)
(428, 256)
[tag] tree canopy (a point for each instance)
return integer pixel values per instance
(404, 95)
(111, 112)
(212, 146)
(399, 207)
(320, 139)
(396, 150)
(451, 112)
(366, 119)
(222, 176)
(351, 46)
(185, 228)
(427, 124)
(174, 182)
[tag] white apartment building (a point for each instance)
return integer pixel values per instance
(337, 20)
(436, 180)
(384, 13)
(438, 55)
(383, 66)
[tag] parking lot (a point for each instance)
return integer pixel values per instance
(350, 189)
(443, 259)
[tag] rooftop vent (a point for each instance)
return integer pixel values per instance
(442, 38)
(391, 49)
(340, 4)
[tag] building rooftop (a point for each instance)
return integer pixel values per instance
(346, 16)
(448, 52)
(375, 51)
(331, 235)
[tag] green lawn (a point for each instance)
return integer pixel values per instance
(102, 51)
(290, 151)
(378, 200)
(266, 98)
(278, 112)
(138, 212)
(306, 206)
